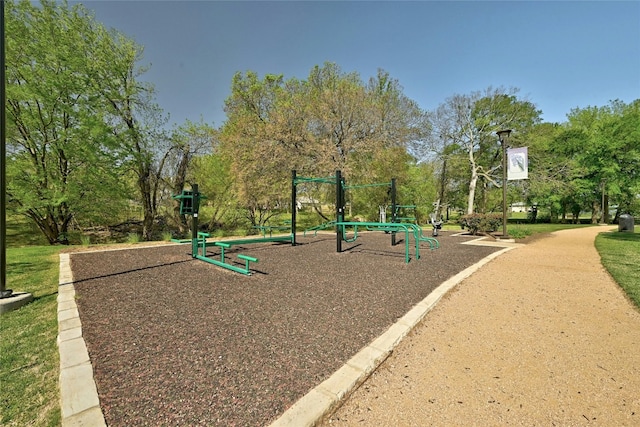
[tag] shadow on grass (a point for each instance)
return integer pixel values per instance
(621, 236)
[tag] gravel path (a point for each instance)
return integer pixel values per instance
(539, 336)
(176, 341)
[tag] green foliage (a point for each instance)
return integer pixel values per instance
(29, 361)
(419, 189)
(212, 172)
(481, 223)
(133, 238)
(620, 256)
(464, 135)
(598, 149)
(332, 121)
(63, 157)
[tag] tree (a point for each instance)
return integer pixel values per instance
(466, 124)
(553, 172)
(62, 153)
(212, 172)
(252, 147)
(330, 121)
(188, 142)
(607, 153)
(135, 120)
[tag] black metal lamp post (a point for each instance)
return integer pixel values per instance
(503, 135)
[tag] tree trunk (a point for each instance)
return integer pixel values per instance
(144, 184)
(48, 226)
(443, 186)
(473, 182)
(472, 190)
(594, 212)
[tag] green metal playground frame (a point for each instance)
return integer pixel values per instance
(190, 203)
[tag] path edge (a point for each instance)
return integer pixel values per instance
(79, 402)
(329, 395)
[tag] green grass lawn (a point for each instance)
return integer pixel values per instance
(620, 253)
(29, 361)
(520, 231)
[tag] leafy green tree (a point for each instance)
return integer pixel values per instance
(330, 121)
(626, 133)
(248, 144)
(420, 189)
(212, 172)
(135, 120)
(548, 171)
(188, 142)
(466, 125)
(606, 151)
(81, 124)
(62, 161)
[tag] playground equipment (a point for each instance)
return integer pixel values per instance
(433, 219)
(403, 215)
(393, 227)
(190, 204)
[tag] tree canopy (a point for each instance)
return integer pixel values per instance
(63, 155)
(331, 121)
(466, 125)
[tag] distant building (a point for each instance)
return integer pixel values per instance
(519, 207)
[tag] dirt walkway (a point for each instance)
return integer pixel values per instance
(540, 336)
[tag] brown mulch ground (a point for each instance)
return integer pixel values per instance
(177, 341)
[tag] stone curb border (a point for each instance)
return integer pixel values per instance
(325, 398)
(78, 393)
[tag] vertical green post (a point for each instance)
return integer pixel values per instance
(194, 221)
(394, 210)
(339, 210)
(294, 207)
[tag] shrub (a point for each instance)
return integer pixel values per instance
(518, 232)
(481, 223)
(133, 238)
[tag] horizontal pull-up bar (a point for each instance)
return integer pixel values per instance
(299, 180)
(382, 184)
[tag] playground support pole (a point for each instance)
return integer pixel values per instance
(394, 213)
(294, 207)
(339, 210)
(194, 223)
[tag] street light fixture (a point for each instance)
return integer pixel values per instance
(503, 135)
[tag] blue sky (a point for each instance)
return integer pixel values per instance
(560, 54)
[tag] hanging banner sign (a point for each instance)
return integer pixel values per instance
(517, 164)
